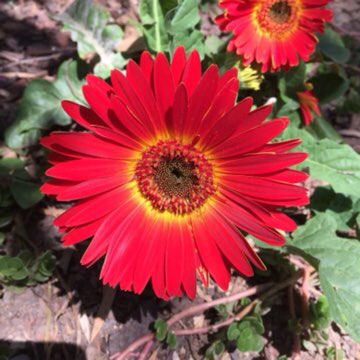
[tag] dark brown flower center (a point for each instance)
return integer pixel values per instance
(280, 12)
(174, 177)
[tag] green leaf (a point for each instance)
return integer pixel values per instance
(352, 101)
(9, 165)
(293, 80)
(329, 86)
(320, 312)
(6, 218)
(25, 191)
(331, 45)
(5, 197)
(87, 23)
(171, 340)
(46, 264)
(184, 16)
(233, 332)
(40, 107)
(337, 260)
(215, 349)
(322, 129)
(12, 267)
(250, 339)
(337, 164)
(161, 329)
(167, 5)
(2, 238)
(153, 25)
(341, 208)
(214, 44)
(190, 40)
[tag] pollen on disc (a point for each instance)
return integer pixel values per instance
(174, 177)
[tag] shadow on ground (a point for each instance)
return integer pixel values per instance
(29, 350)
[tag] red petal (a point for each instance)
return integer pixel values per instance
(163, 85)
(86, 169)
(179, 111)
(174, 260)
(93, 187)
(81, 114)
(189, 272)
(91, 209)
(178, 63)
(209, 253)
(251, 139)
(201, 101)
(227, 242)
(130, 99)
(192, 72)
(81, 233)
(227, 125)
(266, 190)
(247, 223)
(148, 253)
(146, 65)
(101, 241)
(254, 118)
(261, 163)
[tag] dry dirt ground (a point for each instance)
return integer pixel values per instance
(58, 319)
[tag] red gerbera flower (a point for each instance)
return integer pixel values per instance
(273, 33)
(308, 105)
(167, 172)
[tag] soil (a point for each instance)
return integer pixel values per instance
(56, 320)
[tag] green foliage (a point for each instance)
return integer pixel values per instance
(352, 101)
(337, 262)
(171, 340)
(161, 329)
(87, 23)
(183, 17)
(320, 313)
(167, 25)
(337, 164)
(25, 269)
(322, 129)
(333, 353)
(343, 209)
(40, 107)
(181, 25)
(247, 333)
(17, 185)
(293, 81)
(162, 333)
(153, 25)
(329, 86)
(214, 350)
(331, 45)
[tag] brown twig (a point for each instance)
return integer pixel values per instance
(145, 350)
(148, 338)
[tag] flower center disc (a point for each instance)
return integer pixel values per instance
(174, 177)
(280, 12)
(277, 19)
